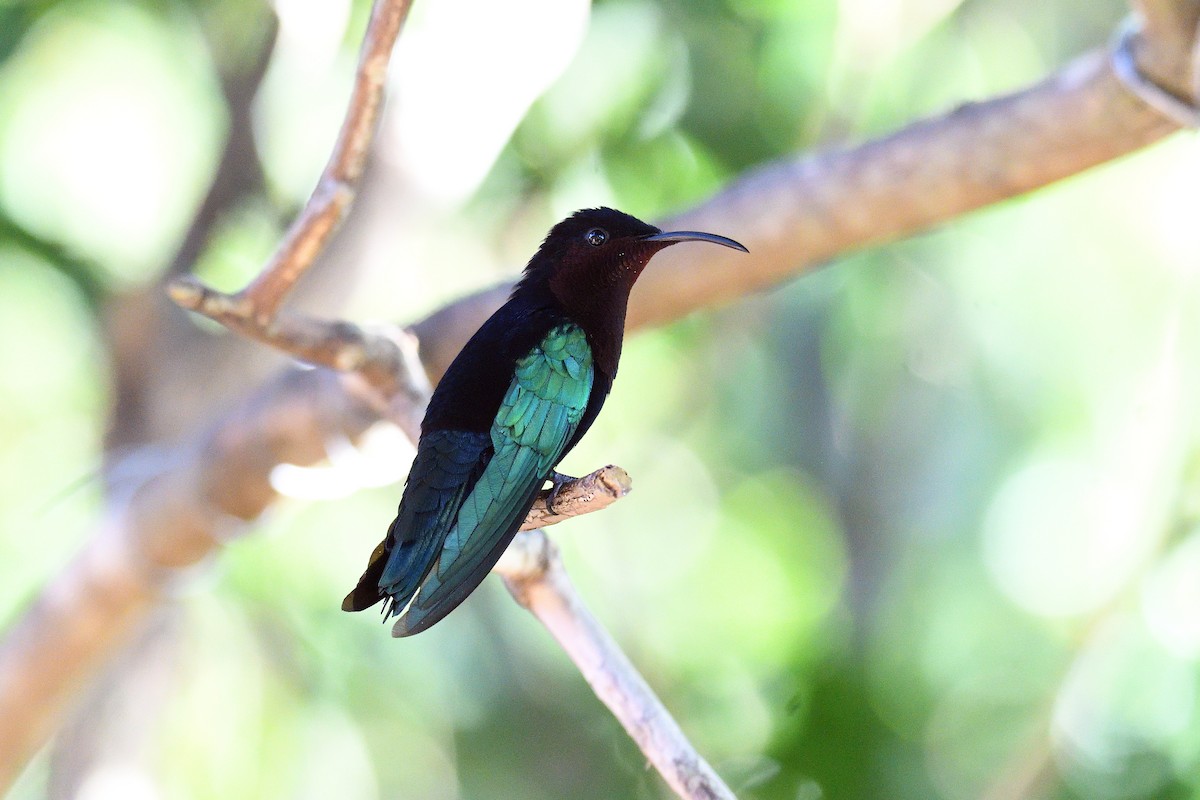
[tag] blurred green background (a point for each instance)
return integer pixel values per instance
(921, 524)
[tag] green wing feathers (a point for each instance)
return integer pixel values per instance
(446, 465)
(537, 418)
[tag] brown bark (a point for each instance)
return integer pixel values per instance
(792, 214)
(536, 578)
(796, 214)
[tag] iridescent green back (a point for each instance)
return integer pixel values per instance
(538, 417)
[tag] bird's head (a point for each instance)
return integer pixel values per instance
(595, 255)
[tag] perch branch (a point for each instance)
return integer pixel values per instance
(172, 520)
(583, 495)
(534, 574)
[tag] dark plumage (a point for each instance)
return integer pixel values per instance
(519, 396)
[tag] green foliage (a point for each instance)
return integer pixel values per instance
(901, 529)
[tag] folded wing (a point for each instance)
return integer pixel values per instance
(446, 467)
(538, 416)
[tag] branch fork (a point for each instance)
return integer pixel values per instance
(256, 311)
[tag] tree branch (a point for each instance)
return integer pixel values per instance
(534, 574)
(179, 513)
(583, 495)
(792, 214)
(335, 191)
(385, 361)
(797, 213)
(160, 524)
(252, 311)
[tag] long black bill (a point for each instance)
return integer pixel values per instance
(695, 236)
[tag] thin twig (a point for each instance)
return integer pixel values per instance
(533, 572)
(335, 191)
(254, 311)
(592, 492)
(384, 359)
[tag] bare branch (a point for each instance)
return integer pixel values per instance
(592, 492)
(253, 311)
(386, 360)
(533, 572)
(792, 214)
(798, 213)
(336, 188)
(1182, 109)
(173, 518)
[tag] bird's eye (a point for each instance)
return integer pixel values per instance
(596, 237)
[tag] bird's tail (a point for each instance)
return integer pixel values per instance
(367, 592)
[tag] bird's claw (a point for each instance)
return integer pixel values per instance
(558, 480)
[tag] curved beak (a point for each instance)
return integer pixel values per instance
(671, 237)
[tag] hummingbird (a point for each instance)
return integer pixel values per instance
(520, 394)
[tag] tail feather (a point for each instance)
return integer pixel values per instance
(446, 467)
(367, 593)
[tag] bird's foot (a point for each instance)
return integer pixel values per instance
(558, 480)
